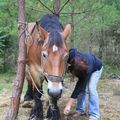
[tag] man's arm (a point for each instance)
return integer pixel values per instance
(72, 99)
(80, 86)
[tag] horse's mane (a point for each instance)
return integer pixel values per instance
(55, 38)
(52, 25)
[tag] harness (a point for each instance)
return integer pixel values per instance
(52, 78)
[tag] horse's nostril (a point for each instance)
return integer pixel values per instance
(60, 91)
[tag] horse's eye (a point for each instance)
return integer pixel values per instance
(45, 55)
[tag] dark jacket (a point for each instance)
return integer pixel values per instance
(82, 65)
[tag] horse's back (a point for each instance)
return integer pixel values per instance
(50, 23)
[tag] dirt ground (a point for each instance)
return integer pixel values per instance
(109, 93)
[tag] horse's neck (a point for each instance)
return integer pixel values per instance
(36, 41)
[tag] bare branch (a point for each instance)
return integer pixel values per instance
(46, 6)
(63, 6)
(74, 13)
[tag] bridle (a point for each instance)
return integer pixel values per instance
(52, 78)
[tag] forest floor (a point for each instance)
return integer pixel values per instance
(109, 93)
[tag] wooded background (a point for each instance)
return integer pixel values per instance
(96, 28)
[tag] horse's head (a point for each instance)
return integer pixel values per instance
(53, 58)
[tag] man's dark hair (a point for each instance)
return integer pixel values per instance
(78, 66)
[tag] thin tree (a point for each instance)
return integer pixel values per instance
(56, 7)
(72, 22)
(18, 83)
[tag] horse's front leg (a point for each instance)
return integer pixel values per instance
(29, 93)
(53, 112)
(37, 110)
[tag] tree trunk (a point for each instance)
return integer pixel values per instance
(90, 45)
(101, 44)
(56, 7)
(72, 22)
(101, 41)
(18, 83)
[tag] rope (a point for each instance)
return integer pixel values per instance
(22, 23)
(35, 84)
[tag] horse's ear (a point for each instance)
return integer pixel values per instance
(43, 33)
(30, 26)
(67, 31)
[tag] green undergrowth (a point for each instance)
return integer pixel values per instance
(110, 73)
(6, 83)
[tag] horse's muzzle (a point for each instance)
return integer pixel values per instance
(55, 94)
(54, 86)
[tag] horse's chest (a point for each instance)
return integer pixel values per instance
(37, 70)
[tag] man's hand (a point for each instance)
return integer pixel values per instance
(68, 106)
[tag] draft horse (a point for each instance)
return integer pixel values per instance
(47, 57)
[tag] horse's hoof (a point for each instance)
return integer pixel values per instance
(33, 117)
(53, 113)
(27, 104)
(28, 101)
(53, 118)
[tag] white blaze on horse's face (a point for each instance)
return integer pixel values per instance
(55, 48)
